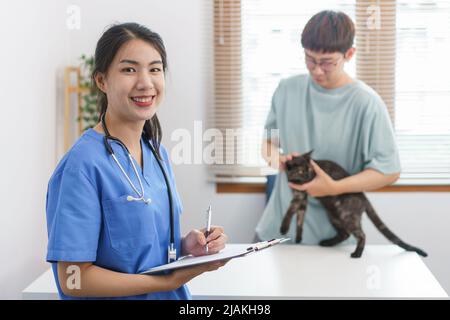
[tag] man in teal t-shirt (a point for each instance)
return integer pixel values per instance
(338, 117)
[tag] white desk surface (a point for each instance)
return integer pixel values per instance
(302, 272)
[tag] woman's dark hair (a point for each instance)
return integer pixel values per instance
(329, 31)
(107, 47)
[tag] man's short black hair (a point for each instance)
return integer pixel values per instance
(329, 31)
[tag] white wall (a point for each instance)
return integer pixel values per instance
(33, 51)
(32, 79)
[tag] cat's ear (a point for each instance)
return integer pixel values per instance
(308, 154)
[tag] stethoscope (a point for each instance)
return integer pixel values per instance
(171, 250)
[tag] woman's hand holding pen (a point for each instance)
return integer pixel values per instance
(195, 241)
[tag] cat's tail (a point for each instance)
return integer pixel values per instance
(388, 233)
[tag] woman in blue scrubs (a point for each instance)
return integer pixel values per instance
(102, 233)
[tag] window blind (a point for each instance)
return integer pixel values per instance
(422, 91)
(256, 44)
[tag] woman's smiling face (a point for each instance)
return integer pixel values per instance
(134, 82)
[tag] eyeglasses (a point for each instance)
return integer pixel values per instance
(325, 66)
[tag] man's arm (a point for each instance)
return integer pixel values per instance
(367, 180)
(323, 185)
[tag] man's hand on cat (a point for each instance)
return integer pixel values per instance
(286, 157)
(322, 185)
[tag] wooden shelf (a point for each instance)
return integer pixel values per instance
(72, 86)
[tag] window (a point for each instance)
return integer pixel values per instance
(257, 43)
(422, 91)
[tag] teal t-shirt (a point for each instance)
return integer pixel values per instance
(349, 125)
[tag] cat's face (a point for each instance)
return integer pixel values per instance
(299, 169)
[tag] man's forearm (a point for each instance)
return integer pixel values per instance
(366, 180)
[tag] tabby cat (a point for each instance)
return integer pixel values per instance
(344, 211)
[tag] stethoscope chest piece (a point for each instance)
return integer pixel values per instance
(146, 201)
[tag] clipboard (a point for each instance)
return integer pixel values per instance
(230, 253)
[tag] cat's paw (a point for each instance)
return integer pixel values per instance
(284, 228)
(298, 239)
(356, 255)
(325, 243)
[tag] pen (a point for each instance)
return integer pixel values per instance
(208, 225)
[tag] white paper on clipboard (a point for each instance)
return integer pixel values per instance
(227, 253)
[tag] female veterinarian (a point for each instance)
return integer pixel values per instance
(112, 206)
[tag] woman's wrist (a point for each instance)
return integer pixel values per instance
(160, 283)
(173, 281)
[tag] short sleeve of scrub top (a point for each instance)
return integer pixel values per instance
(74, 231)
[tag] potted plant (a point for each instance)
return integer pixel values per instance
(88, 109)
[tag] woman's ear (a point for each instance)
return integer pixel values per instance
(100, 81)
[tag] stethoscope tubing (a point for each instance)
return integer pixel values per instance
(140, 194)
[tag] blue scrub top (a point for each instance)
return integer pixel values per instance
(90, 220)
